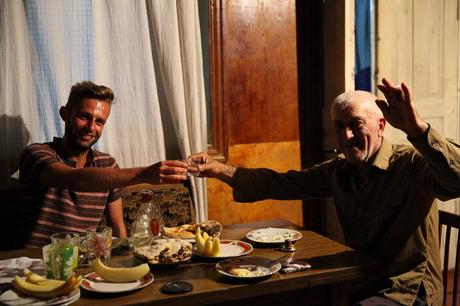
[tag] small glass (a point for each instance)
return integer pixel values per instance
(99, 243)
(192, 167)
(61, 256)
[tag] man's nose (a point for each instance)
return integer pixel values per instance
(91, 125)
(347, 133)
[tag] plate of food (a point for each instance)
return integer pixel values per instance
(11, 297)
(273, 235)
(93, 282)
(164, 252)
(228, 248)
(187, 231)
(247, 267)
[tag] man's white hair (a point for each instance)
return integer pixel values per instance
(357, 97)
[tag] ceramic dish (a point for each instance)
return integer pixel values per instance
(10, 298)
(273, 235)
(247, 267)
(230, 248)
(92, 282)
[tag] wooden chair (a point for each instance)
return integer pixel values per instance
(448, 221)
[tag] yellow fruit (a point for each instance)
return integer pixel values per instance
(208, 247)
(40, 280)
(199, 241)
(119, 275)
(45, 288)
(205, 235)
(215, 247)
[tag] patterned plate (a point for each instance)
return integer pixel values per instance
(273, 235)
(230, 248)
(93, 282)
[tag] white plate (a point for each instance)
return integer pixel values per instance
(167, 264)
(10, 298)
(273, 235)
(258, 267)
(93, 282)
(190, 240)
(230, 248)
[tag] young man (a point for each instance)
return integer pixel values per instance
(383, 193)
(67, 186)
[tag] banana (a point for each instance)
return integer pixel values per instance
(46, 290)
(119, 275)
(34, 278)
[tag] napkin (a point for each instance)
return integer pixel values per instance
(9, 268)
(295, 266)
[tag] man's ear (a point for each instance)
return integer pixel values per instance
(64, 113)
(382, 124)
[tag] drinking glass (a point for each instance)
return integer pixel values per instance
(192, 167)
(61, 256)
(99, 242)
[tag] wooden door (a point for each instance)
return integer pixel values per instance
(417, 42)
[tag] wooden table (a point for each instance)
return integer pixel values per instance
(334, 268)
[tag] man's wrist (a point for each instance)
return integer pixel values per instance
(227, 173)
(421, 129)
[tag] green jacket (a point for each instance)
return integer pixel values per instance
(391, 217)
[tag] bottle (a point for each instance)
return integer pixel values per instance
(148, 222)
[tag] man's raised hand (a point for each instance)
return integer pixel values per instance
(399, 109)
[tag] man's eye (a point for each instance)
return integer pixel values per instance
(356, 124)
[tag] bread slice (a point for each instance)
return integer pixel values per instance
(187, 231)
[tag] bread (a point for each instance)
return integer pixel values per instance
(163, 251)
(187, 231)
(240, 272)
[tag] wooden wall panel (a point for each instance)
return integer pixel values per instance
(255, 81)
(280, 156)
(259, 70)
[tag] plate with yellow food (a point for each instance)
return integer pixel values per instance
(34, 289)
(187, 231)
(227, 248)
(247, 267)
(108, 279)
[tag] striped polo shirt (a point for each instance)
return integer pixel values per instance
(47, 209)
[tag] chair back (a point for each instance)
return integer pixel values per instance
(450, 278)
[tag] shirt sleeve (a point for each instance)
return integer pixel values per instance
(34, 159)
(442, 160)
(251, 185)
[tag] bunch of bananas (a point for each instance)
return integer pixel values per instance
(206, 245)
(41, 287)
(119, 275)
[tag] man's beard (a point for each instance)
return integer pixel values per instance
(72, 139)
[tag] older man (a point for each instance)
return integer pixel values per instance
(66, 185)
(383, 193)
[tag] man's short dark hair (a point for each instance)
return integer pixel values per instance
(88, 89)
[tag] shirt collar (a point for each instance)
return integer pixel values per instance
(382, 159)
(57, 142)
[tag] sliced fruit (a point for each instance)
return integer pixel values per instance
(215, 247)
(119, 275)
(208, 247)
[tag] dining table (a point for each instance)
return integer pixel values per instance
(334, 269)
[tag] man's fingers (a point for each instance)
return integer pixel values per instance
(382, 104)
(172, 178)
(407, 92)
